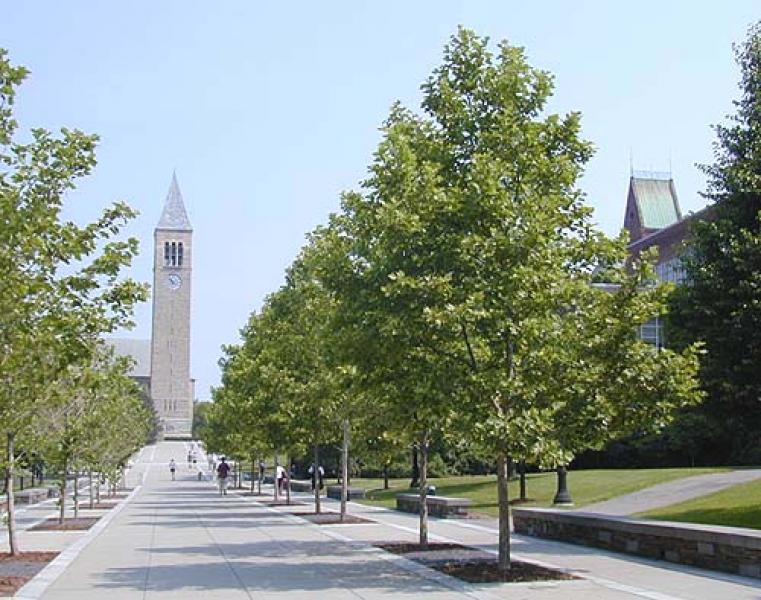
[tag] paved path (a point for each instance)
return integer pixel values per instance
(181, 539)
(672, 492)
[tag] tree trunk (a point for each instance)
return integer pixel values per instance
(503, 468)
(76, 495)
(415, 482)
(91, 489)
(316, 479)
(522, 474)
(253, 472)
(9, 472)
(344, 469)
(423, 450)
(385, 477)
(274, 480)
(62, 497)
(288, 481)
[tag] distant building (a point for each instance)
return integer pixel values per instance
(162, 364)
(654, 219)
(651, 204)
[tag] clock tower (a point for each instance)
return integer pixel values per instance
(171, 388)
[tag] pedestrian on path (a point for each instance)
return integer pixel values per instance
(172, 468)
(280, 477)
(318, 475)
(223, 470)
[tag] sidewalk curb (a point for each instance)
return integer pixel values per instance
(34, 589)
(400, 561)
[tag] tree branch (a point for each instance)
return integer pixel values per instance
(473, 362)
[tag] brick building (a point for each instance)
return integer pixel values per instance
(654, 219)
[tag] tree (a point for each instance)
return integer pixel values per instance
(412, 386)
(476, 266)
(234, 427)
(721, 303)
(99, 413)
(200, 410)
(61, 281)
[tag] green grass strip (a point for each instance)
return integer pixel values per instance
(737, 506)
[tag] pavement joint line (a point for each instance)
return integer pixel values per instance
(474, 527)
(42, 519)
(415, 567)
(391, 519)
(613, 585)
(630, 589)
(147, 577)
(36, 522)
(610, 584)
(37, 586)
(404, 563)
(408, 565)
(230, 564)
(600, 581)
(641, 560)
(643, 593)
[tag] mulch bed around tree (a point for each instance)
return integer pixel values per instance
(69, 524)
(331, 518)
(473, 565)
(16, 571)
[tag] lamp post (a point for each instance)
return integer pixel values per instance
(562, 497)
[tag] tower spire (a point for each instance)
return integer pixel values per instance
(174, 216)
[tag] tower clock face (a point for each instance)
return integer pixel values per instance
(174, 281)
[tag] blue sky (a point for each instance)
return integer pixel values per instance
(269, 112)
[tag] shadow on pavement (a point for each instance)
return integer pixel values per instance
(268, 571)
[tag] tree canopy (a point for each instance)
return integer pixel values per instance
(721, 303)
(63, 285)
(466, 289)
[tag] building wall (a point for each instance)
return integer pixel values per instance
(171, 386)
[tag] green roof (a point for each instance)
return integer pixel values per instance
(656, 201)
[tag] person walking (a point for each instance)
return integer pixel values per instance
(317, 475)
(280, 477)
(223, 470)
(172, 468)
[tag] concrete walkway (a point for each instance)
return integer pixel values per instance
(672, 492)
(181, 539)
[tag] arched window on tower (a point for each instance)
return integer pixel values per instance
(174, 254)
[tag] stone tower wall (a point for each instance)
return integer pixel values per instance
(172, 389)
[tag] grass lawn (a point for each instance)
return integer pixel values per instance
(738, 506)
(586, 487)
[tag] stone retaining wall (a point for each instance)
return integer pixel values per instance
(352, 493)
(727, 549)
(438, 506)
(301, 485)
